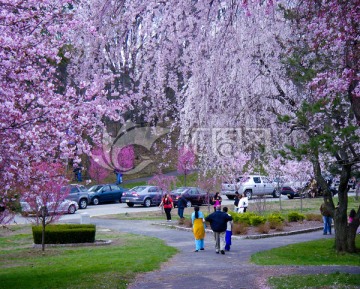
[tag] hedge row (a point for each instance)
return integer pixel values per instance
(65, 233)
(252, 219)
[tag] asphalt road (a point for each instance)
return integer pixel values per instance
(119, 208)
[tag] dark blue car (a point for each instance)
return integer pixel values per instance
(105, 193)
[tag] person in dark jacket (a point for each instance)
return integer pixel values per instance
(236, 202)
(182, 204)
(218, 222)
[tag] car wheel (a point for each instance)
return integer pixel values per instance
(188, 204)
(230, 197)
(248, 194)
(290, 197)
(130, 205)
(83, 204)
(276, 194)
(147, 203)
(72, 209)
(95, 201)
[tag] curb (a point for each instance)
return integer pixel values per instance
(261, 236)
(96, 243)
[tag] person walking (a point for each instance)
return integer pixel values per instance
(168, 204)
(218, 222)
(228, 232)
(236, 202)
(216, 200)
(182, 204)
(326, 219)
(118, 175)
(198, 222)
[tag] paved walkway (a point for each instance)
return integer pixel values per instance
(205, 269)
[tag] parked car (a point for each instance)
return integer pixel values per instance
(142, 195)
(64, 207)
(193, 195)
(105, 193)
(289, 192)
(78, 194)
(251, 185)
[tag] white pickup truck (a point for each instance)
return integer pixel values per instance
(251, 185)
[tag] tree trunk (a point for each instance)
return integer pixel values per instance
(344, 234)
(43, 235)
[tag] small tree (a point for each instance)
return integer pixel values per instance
(96, 170)
(209, 184)
(166, 183)
(186, 161)
(126, 158)
(44, 194)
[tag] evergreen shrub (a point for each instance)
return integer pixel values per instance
(65, 233)
(257, 220)
(295, 217)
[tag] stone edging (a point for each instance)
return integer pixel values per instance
(261, 236)
(96, 243)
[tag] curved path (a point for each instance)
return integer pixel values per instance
(205, 269)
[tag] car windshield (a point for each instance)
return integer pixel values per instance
(139, 189)
(95, 188)
(179, 190)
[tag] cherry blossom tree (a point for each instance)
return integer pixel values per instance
(44, 114)
(324, 66)
(186, 161)
(126, 158)
(44, 194)
(166, 183)
(210, 184)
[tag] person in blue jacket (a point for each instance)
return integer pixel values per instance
(218, 222)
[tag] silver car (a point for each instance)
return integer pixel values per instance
(142, 195)
(65, 207)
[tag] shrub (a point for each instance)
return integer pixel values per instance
(257, 220)
(65, 234)
(263, 229)
(295, 217)
(239, 229)
(275, 220)
(244, 218)
(313, 217)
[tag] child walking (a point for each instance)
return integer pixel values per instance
(228, 232)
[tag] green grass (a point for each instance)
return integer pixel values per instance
(132, 185)
(111, 266)
(319, 252)
(308, 205)
(339, 280)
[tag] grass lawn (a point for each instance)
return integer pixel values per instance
(319, 252)
(308, 205)
(336, 280)
(113, 266)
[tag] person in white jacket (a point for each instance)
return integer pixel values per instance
(243, 204)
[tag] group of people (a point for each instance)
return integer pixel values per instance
(241, 203)
(327, 219)
(220, 222)
(221, 225)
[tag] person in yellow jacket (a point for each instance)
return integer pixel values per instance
(198, 222)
